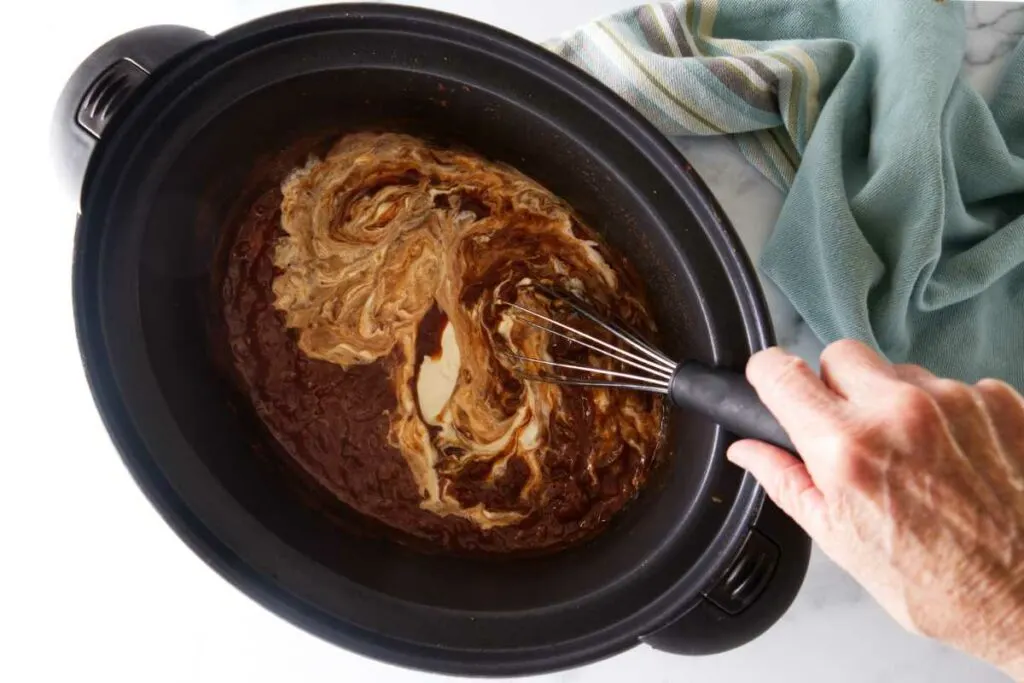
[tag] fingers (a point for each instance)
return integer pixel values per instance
(986, 422)
(854, 370)
(964, 414)
(1005, 408)
(786, 481)
(914, 374)
(1002, 393)
(790, 389)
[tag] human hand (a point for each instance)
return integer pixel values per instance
(912, 483)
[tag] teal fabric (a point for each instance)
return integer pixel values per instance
(902, 225)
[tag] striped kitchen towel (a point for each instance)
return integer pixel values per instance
(903, 223)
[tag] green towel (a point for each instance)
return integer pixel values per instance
(903, 223)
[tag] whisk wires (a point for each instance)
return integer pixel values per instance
(651, 370)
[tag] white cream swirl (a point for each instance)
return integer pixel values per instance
(384, 230)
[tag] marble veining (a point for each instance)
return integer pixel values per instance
(1002, 24)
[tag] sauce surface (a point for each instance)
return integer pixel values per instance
(365, 301)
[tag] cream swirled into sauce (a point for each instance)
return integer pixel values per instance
(395, 253)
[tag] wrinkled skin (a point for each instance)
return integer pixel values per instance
(912, 483)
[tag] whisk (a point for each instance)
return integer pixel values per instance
(721, 395)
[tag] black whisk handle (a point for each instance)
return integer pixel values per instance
(727, 398)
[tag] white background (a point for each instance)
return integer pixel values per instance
(93, 585)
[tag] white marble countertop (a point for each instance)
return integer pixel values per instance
(99, 588)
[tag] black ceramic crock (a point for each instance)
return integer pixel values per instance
(157, 132)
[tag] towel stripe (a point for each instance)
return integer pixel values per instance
(630, 55)
(666, 60)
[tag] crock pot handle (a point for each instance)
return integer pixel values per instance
(99, 88)
(753, 593)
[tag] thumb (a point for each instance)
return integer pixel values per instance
(787, 482)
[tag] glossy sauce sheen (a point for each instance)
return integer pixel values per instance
(342, 410)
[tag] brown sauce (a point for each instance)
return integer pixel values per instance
(334, 421)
